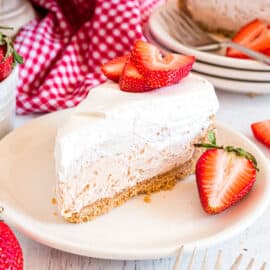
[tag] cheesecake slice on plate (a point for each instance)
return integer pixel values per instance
(117, 145)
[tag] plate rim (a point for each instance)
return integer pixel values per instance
(200, 55)
(234, 85)
(236, 74)
(16, 218)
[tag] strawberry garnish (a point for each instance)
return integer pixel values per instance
(224, 175)
(8, 55)
(160, 71)
(131, 80)
(261, 131)
(255, 35)
(114, 68)
(146, 69)
(11, 256)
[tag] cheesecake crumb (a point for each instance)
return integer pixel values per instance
(54, 201)
(251, 94)
(147, 198)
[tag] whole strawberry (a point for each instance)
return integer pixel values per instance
(8, 55)
(11, 257)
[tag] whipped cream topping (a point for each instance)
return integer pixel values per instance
(116, 139)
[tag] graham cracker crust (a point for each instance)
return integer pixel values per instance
(165, 181)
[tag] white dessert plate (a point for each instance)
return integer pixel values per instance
(234, 74)
(162, 34)
(239, 86)
(136, 230)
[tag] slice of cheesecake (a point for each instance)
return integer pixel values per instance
(226, 16)
(117, 144)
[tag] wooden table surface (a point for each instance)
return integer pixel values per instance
(236, 110)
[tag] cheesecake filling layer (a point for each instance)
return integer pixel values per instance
(135, 138)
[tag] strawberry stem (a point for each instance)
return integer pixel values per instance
(237, 150)
(10, 50)
(6, 27)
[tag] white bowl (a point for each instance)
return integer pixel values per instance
(7, 101)
(15, 13)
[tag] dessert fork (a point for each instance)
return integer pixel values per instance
(218, 264)
(186, 31)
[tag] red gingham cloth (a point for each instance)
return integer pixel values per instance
(64, 50)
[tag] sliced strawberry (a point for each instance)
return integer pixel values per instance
(131, 80)
(255, 35)
(114, 68)
(223, 178)
(160, 71)
(261, 131)
(224, 174)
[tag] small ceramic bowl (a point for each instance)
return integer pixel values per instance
(8, 101)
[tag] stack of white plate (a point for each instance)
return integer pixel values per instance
(233, 74)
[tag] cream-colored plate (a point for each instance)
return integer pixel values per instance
(135, 230)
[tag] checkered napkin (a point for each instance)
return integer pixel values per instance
(63, 51)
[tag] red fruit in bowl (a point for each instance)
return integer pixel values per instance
(224, 175)
(8, 56)
(11, 256)
(5, 63)
(255, 35)
(160, 71)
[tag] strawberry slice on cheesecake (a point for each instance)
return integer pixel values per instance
(147, 69)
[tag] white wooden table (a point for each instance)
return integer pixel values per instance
(236, 110)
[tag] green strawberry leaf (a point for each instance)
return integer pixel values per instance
(212, 137)
(6, 27)
(243, 153)
(18, 58)
(237, 150)
(10, 50)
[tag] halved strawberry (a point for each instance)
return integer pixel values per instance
(11, 256)
(160, 71)
(255, 35)
(224, 176)
(261, 131)
(114, 68)
(131, 80)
